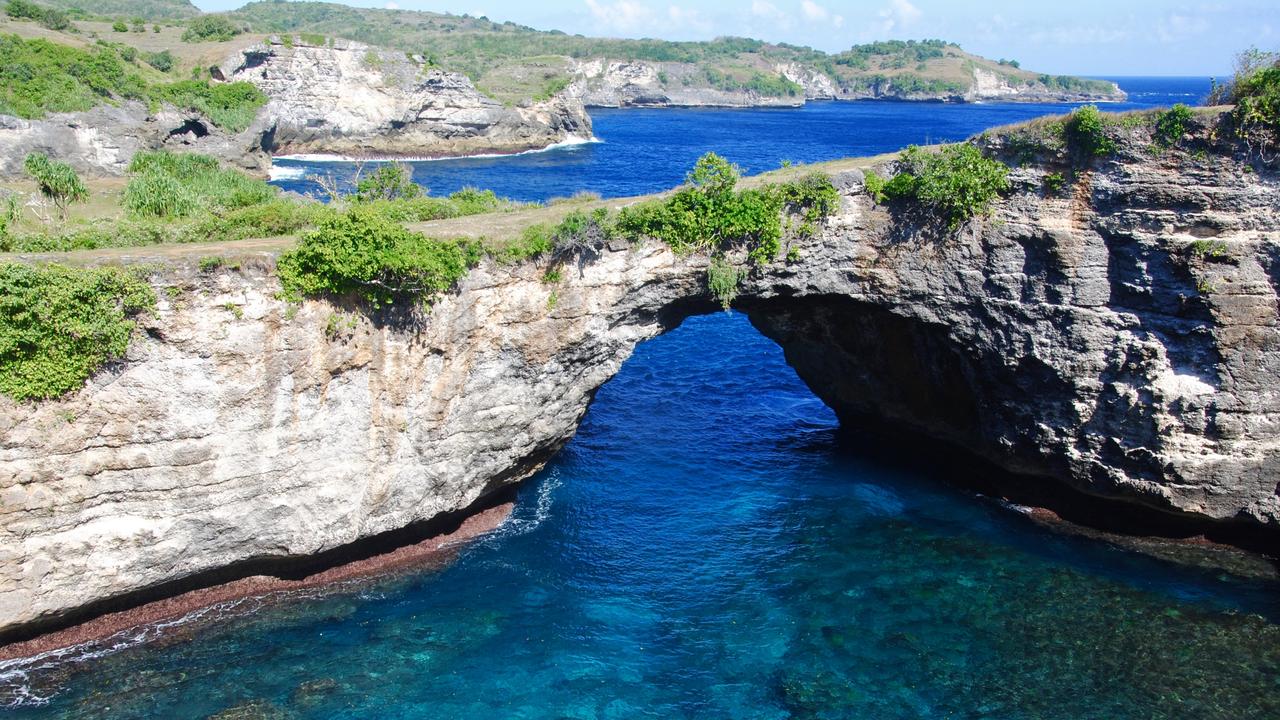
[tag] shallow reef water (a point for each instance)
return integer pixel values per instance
(710, 545)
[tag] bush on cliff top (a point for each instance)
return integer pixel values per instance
(231, 106)
(955, 183)
(360, 252)
(39, 77)
(58, 325)
(710, 213)
(1255, 92)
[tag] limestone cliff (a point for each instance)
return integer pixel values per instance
(352, 99)
(637, 83)
(343, 98)
(1077, 339)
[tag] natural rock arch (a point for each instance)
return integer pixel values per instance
(1073, 339)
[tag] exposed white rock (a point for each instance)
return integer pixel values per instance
(348, 98)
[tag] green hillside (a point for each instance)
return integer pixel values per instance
(146, 9)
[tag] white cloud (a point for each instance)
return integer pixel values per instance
(622, 16)
(898, 15)
(763, 9)
(1180, 27)
(391, 6)
(813, 11)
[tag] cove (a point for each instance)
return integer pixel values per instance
(710, 544)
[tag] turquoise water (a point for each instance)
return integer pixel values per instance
(710, 546)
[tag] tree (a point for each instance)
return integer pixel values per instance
(57, 181)
(392, 181)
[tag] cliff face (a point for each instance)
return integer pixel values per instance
(346, 99)
(101, 141)
(638, 83)
(352, 99)
(1077, 339)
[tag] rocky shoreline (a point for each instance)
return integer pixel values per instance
(436, 550)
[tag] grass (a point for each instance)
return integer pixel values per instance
(177, 185)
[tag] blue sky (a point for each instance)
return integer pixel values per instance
(1095, 37)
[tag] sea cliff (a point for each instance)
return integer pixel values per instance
(1115, 335)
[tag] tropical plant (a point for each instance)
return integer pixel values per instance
(57, 181)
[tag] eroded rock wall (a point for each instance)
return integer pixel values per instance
(1077, 338)
(347, 98)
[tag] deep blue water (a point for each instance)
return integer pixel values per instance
(645, 151)
(710, 546)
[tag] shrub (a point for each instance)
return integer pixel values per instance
(1172, 124)
(955, 183)
(361, 253)
(723, 280)
(57, 181)
(51, 18)
(1053, 183)
(230, 106)
(1254, 90)
(119, 26)
(38, 77)
(58, 325)
(390, 181)
(162, 61)
(709, 213)
(210, 28)
(1087, 133)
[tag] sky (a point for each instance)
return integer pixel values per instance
(1080, 37)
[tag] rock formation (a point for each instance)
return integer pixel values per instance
(1080, 339)
(638, 83)
(343, 98)
(352, 99)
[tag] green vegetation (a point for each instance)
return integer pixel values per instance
(359, 252)
(490, 52)
(58, 325)
(711, 214)
(57, 181)
(1053, 183)
(42, 77)
(162, 61)
(1086, 132)
(1255, 92)
(175, 185)
(119, 26)
(1172, 124)
(38, 77)
(390, 181)
(955, 183)
(210, 28)
(149, 9)
(1208, 249)
(723, 280)
(231, 106)
(51, 18)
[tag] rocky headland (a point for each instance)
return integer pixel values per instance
(340, 98)
(1116, 335)
(637, 83)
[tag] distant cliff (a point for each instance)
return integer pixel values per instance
(341, 97)
(603, 83)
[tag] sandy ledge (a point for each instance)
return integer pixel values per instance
(434, 551)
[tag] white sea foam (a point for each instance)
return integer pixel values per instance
(569, 141)
(286, 172)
